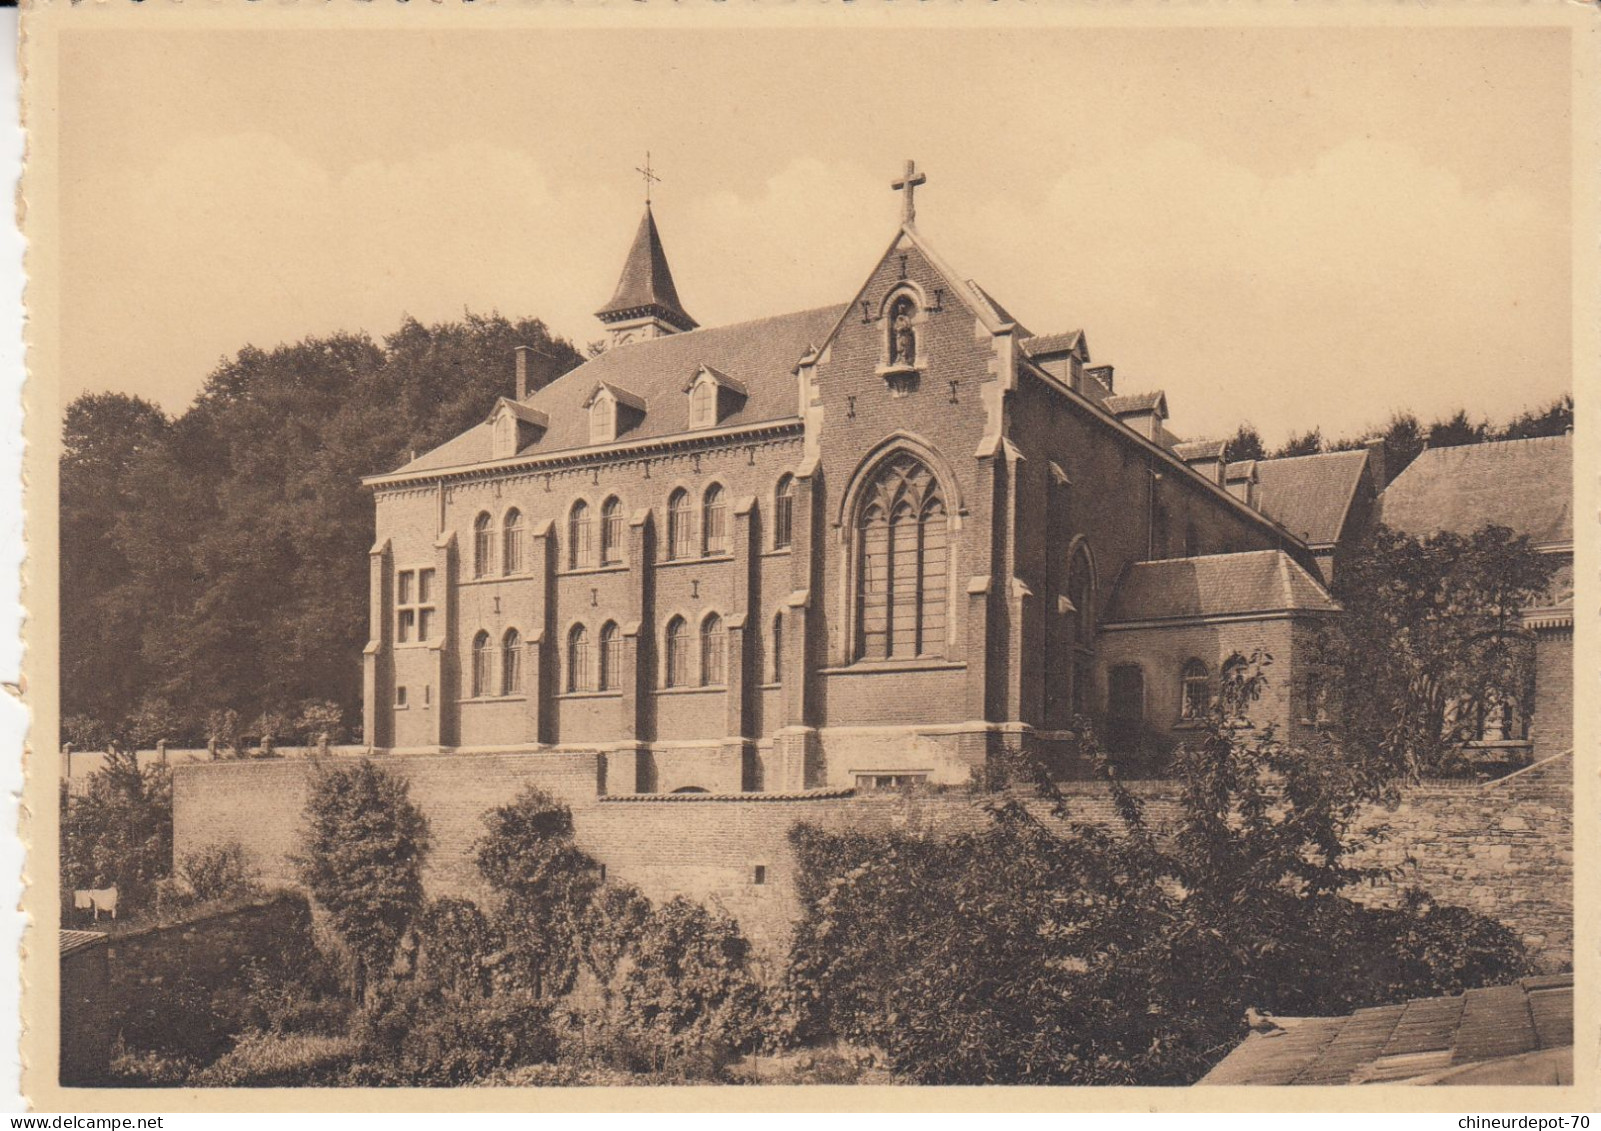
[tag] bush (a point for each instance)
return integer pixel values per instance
(178, 1018)
(216, 871)
(275, 1060)
(418, 1036)
(455, 941)
(119, 832)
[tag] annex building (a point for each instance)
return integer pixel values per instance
(864, 545)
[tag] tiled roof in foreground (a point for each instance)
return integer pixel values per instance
(73, 941)
(1258, 581)
(1516, 1034)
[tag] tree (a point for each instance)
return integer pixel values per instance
(1050, 951)
(1456, 430)
(118, 833)
(1554, 419)
(1306, 444)
(1245, 444)
(528, 857)
(1403, 441)
(365, 843)
(1430, 639)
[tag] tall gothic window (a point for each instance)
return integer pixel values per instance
(483, 665)
(680, 525)
(784, 512)
(511, 542)
(483, 545)
(1195, 692)
(713, 662)
(903, 553)
(511, 663)
(778, 647)
(677, 653)
(578, 658)
(611, 532)
(611, 657)
(1081, 592)
(714, 521)
(578, 545)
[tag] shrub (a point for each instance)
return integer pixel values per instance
(419, 1036)
(456, 941)
(118, 833)
(688, 992)
(177, 1018)
(216, 871)
(365, 844)
(276, 1060)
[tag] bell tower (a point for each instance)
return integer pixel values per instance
(645, 304)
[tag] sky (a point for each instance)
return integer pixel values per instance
(1296, 227)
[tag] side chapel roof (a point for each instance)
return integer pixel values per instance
(1311, 496)
(1525, 485)
(1257, 581)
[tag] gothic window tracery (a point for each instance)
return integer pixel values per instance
(903, 551)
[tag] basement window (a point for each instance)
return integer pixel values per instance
(760, 874)
(890, 781)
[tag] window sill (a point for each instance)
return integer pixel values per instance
(494, 699)
(415, 645)
(878, 667)
(770, 686)
(590, 695)
(702, 560)
(492, 579)
(779, 552)
(586, 571)
(710, 689)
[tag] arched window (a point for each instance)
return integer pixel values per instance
(784, 512)
(511, 542)
(703, 405)
(714, 521)
(483, 545)
(483, 665)
(902, 578)
(680, 525)
(603, 420)
(1195, 692)
(611, 532)
(578, 545)
(511, 663)
(677, 651)
(713, 662)
(578, 658)
(778, 647)
(611, 657)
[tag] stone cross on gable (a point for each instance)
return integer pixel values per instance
(908, 183)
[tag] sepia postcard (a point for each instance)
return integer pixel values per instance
(811, 557)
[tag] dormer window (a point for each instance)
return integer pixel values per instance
(612, 411)
(603, 420)
(713, 396)
(513, 426)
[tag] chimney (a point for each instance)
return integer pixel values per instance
(522, 353)
(1376, 465)
(1101, 373)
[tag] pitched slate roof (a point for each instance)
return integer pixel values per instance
(1501, 1034)
(646, 285)
(73, 941)
(1154, 401)
(1200, 449)
(1045, 345)
(1310, 496)
(1526, 485)
(1258, 581)
(761, 355)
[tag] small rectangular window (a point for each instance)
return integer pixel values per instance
(890, 781)
(408, 623)
(760, 876)
(425, 585)
(400, 696)
(414, 610)
(425, 624)
(427, 694)
(403, 589)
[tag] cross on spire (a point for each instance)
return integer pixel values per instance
(908, 183)
(648, 174)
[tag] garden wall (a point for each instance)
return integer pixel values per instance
(1503, 848)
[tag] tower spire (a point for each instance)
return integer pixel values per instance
(646, 303)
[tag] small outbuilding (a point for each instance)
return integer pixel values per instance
(85, 1007)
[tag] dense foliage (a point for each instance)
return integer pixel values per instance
(1043, 950)
(216, 561)
(1431, 639)
(362, 860)
(118, 832)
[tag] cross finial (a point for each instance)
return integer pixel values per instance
(908, 183)
(648, 174)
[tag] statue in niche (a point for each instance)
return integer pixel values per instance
(902, 336)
